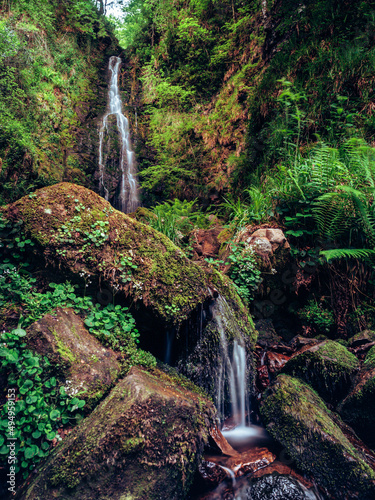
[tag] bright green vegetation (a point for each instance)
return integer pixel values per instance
(244, 271)
(51, 54)
(40, 406)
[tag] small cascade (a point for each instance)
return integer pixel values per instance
(127, 196)
(233, 369)
(233, 379)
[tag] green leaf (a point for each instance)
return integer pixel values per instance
(54, 415)
(20, 332)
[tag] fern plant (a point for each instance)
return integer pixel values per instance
(336, 212)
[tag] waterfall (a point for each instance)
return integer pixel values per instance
(233, 368)
(128, 192)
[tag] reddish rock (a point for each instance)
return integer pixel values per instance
(248, 461)
(222, 443)
(205, 242)
(275, 361)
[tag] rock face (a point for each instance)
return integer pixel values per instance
(144, 441)
(358, 408)
(88, 369)
(269, 243)
(327, 366)
(298, 419)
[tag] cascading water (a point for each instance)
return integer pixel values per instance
(233, 369)
(127, 199)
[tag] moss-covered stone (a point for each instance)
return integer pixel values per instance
(86, 368)
(369, 362)
(358, 408)
(298, 419)
(328, 367)
(143, 441)
(361, 338)
(78, 230)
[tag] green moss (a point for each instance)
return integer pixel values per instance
(144, 440)
(63, 350)
(329, 368)
(298, 419)
(370, 359)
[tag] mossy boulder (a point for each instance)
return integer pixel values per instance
(362, 338)
(300, 421)
(144, 441)
(328, 367)
(79, 232)
(358, 408)
(86, 368)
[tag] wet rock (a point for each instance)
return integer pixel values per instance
(267, 335)
(88, 370)
(275, 361)
(249, 461)
(358, 408)
(327, 366)
(277, 487)
(211, 472)
(221, 443)
(299, 420)
(144, 441)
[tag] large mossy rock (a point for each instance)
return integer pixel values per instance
(144, 441)
(358, 408)
(79, 232)
(86, 368)
(328, 367)
(298, 419)
(81, 235)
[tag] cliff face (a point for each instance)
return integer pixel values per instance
(53, 84)
(222, 87)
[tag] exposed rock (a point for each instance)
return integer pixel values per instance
(248, 461)
(205, 242)
(144, 441)
(298, 419)
(269, 243)
(267, 335)
(277, 487)
(221, 443)
(87, 369)
(358, 408)
(275, 361)
(361, 344)
(364, 337)
(327, 366)
(211, 472)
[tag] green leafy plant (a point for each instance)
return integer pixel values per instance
(315, 315)
(40, 406)
(244, 270)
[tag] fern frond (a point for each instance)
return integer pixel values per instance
(348, 253)
(333, 214)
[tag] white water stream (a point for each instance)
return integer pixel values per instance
(234, 369)
(128, 193)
